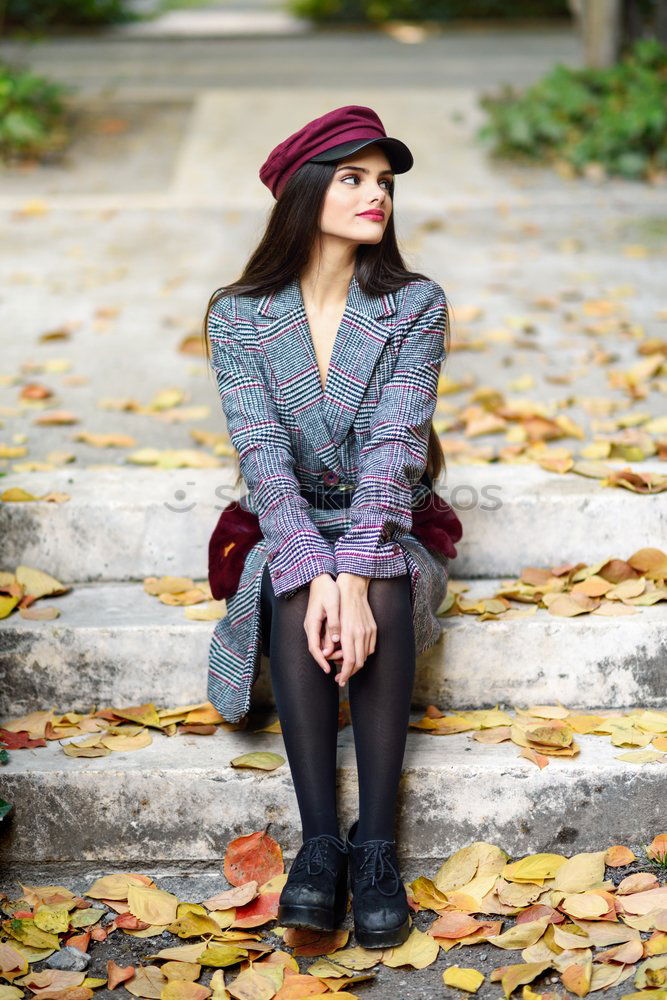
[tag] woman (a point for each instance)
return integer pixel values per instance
(327, 352)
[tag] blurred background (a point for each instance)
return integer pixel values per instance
(132, 132)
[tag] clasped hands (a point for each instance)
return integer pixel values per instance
(339, 623)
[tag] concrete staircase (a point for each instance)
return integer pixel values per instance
(178, 802)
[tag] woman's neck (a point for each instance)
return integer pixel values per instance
(325, 282)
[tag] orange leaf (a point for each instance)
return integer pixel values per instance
(80, 941)
(258, 911)
(537, 758)
(256, 856)
(618, 856)
(657, 849)
(577, 978)
(306, 942)
(117, 974)
(454, 924)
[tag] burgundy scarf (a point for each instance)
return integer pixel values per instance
(435, 524)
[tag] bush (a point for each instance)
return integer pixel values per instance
(377, 11)
(615, 118)
(32, 115)
(53, 13)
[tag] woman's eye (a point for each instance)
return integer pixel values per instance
(354, 177)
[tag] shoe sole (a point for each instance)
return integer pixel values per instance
(382, 938)
(317, 918)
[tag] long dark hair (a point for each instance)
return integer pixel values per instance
(284, 251)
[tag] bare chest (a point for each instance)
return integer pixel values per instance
(324, 327)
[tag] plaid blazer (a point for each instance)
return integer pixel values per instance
(369, 428)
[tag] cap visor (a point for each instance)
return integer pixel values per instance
(398, 153)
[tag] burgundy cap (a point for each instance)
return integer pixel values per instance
(333, 135)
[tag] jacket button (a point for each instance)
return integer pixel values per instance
(396, 549)
(331, 478)
(270, 556)
(278, 572)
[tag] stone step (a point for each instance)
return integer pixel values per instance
(114, 644)
(213, 23)
(179, 801)
(126, 523)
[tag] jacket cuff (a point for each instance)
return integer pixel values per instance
(368, 552)
(295, 565)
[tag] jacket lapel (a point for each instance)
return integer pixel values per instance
(325, 418)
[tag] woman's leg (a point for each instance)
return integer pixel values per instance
(307, 703)
(380, 696)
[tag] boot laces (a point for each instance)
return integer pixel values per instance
(378, 863)
(312, 856)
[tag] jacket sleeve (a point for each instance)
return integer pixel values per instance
(394, 457)
(297, 550)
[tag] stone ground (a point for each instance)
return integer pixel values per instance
(405, 983)
(158, 203)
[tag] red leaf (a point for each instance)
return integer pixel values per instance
(255, 857)
(20, 740)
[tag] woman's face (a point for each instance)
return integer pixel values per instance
(360, 185)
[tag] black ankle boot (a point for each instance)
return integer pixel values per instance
(379, 900)
(315, 893)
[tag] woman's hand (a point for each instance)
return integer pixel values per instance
(358, 628)
(322, 621)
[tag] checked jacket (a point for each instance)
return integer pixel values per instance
(368, 428)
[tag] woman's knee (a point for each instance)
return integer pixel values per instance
(390, 598)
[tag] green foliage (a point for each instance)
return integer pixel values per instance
(52, 13)
(4, 808)
(377, 11)
(615, 117)
(32, 115)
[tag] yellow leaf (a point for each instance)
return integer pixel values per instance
(419, 951)
(167, 585)
(534, 868)
(264, 760)
(581, 872)
(25, 931)
(52, 918)
(154, 906)
(115, 886)
(145, 715)
(518, 975)
(7, 605)
(585, 905)
(521, 935)
(181, 952)
(147, 981)
(122, 742)
(211, 611)
(39, 584)
(193, 925)
(469, 980)
(180, 989)
(221, 955)
(181, 970)
(642, 756)
(217, 984)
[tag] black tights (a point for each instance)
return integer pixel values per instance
(307, 703)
